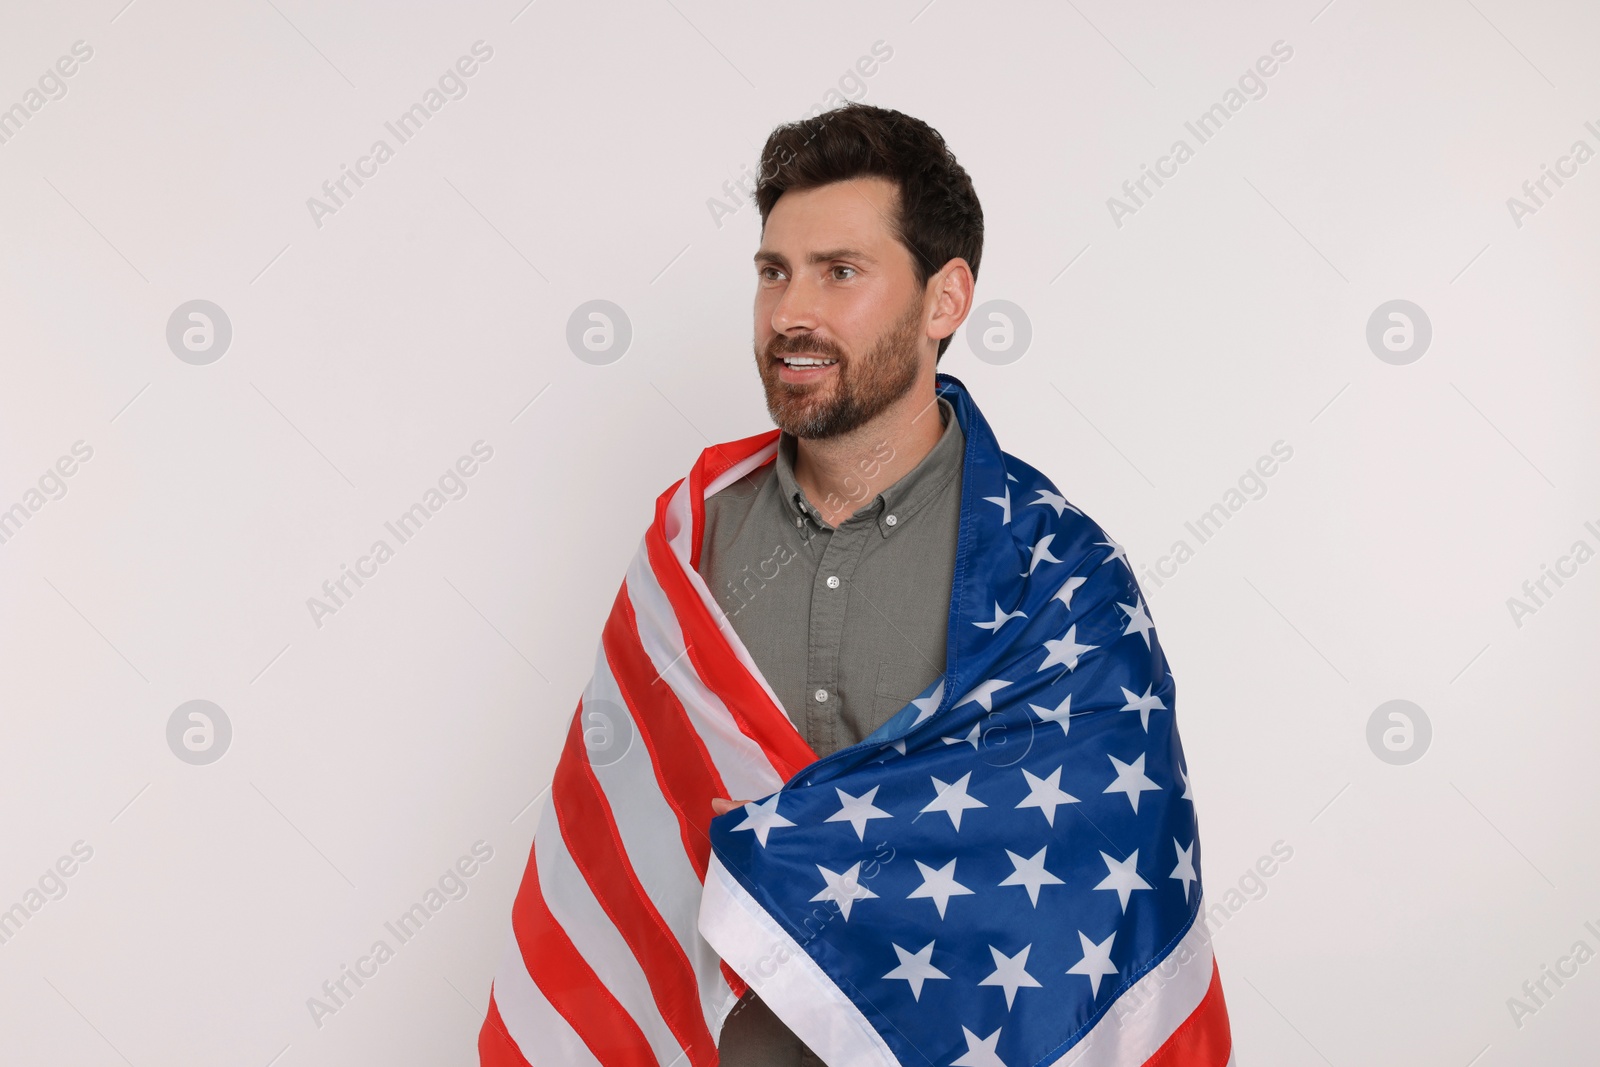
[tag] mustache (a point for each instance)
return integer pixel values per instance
(801, 346)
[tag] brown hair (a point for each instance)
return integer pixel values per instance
(939, 216)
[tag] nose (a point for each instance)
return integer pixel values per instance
(797, 308)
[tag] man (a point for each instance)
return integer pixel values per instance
(810, 808)
(855, 304)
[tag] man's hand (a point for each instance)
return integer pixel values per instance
(722, 805)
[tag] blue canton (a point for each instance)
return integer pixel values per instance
(993, 867)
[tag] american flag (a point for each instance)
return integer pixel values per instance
(1005, 874)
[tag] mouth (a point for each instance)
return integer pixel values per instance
(802, 367)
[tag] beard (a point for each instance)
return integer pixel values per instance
(860, 387)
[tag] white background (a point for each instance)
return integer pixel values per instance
(371, 351)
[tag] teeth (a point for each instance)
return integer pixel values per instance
(808, 361)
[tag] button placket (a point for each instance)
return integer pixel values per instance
(838, 561)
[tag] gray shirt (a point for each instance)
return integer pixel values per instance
(847, 623)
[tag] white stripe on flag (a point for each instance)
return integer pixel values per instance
(678, 512)
(573, 905)
(743, 766)
(785, 977)
(652, 840)
(1144, 1017)
(541, 1033)
(740, 469)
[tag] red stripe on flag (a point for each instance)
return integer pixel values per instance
(712, 462)
(1203, 1039)
(570, 984)
(590, 831)
(708, 467)
(495, 1046)
(708, 651)
(684, 769)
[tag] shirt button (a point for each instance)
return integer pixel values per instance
(822, 696)
(799, 520)
(833, 581)
(889, 520)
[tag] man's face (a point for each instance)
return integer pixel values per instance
(840, 332)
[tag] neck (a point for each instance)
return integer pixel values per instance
(842, 474)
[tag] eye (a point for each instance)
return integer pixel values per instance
(764, 274)
(836, 269)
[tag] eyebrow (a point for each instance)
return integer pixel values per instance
(828, 256)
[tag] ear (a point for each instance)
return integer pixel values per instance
(949, 293)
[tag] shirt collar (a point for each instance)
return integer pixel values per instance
(899, 501)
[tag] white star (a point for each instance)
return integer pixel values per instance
(915, 968)
(926, 707)
(1130, 780)
(1117, 552)
(1010, 973)
(1054, 500)
(1065, 650)
(1030, 874)
(1138, 622)
(953, 799)
(1096, 961)
(980, 1051)
(1144, 705)
(843, 889)
(1184, 871)
(1123, 877)
(1045, 794)
(1041, 553)
(857, 810)
(1060, 714)
(763, 818)
(1005, 505)
(983, 694)
(971, 738)
(1000, 619)
(1188, 790)
(1068, 587)
(939, 885)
